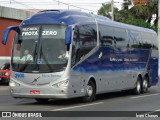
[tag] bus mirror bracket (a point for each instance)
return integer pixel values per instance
(6, 33)
(68, 35)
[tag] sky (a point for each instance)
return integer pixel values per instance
(83, 5)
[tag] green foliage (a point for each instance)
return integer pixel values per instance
(139, 15)
(105, 10)
(140, 11)
(138, 22)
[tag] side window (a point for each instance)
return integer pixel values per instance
(75, 47)
(154, 46)
(121, 37)
(155, 41)
(84, 40)
(87, 39)
(106, 35)
(134, 39)
(147, 40)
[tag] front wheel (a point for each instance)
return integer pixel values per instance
(90, 92)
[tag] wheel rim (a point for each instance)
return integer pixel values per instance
(89, 90)
(138, 86)
(145, 85)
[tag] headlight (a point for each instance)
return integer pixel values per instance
(13, 84)
(61, 84)
(6, 74)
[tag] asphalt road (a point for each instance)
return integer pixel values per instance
(118, 101)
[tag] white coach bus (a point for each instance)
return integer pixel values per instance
(68, 54)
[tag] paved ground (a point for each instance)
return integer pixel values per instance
(118, 101)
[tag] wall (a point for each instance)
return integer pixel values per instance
(10, 17)
(5, 50)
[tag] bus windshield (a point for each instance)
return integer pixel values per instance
(40, 48)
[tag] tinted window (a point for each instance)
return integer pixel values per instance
(155, 41)
(154, 46)
(106, 35)
(135, 39)
(87, 36)
(75, 47)
(87, 39)
(147, 40)
(84, 40)
(121, 37)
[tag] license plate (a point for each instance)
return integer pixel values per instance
(34, 91)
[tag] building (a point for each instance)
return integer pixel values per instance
(9, 17)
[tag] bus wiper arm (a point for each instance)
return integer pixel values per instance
(35, 52)
(42, 55)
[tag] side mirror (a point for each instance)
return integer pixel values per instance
(68, 35)
(7, 31)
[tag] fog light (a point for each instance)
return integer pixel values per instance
(13, 84)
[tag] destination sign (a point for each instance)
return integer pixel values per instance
(30, 32)
(47, 31)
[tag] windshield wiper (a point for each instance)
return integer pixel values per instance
(42, 56)
(35, 52)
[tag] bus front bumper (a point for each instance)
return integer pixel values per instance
(47, 91)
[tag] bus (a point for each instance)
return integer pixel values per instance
(77, 54)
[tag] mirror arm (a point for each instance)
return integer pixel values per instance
(6, 33)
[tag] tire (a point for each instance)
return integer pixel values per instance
(137, 89)
(6, 81)
(41, 100)
(90, 92)
(144, 87)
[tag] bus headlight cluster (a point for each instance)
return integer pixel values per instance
(13, 84)
(61, 84)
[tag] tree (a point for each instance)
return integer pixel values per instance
(153, 9)
(145, 12)
(105, 10)
(140, 11)
(136, 15)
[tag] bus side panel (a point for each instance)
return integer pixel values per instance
(125, 63)
(118, 68)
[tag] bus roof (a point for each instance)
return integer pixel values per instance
(126, 26)
(61, 17)
(67, 17)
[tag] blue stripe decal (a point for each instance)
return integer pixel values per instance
(115, 59)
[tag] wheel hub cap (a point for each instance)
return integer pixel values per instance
(138, 86)
(89, 90)
(145, 84)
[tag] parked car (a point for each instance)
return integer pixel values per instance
(5, 73)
